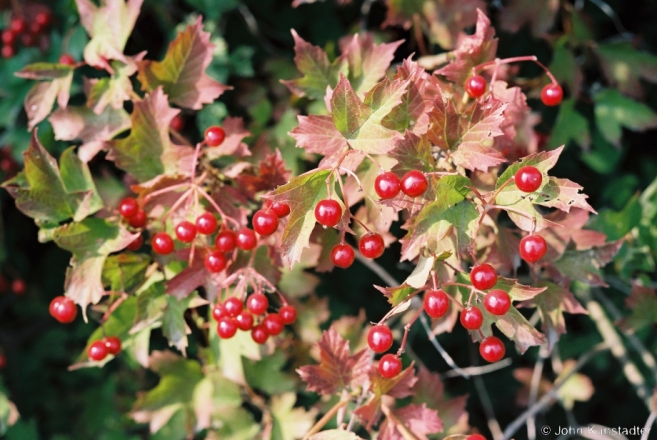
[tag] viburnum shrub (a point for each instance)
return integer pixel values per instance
(210, 227)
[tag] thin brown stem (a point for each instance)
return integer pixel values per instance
(326, 418)
(407, 328)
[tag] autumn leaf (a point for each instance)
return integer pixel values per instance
(468, 135)
(318, 134)
(643, 305)
(289, 423)
(551, 304)
(55, 85)
(538, 15)
(148, 152)
(338, 369)
(114, 90)
(418, 419)
(586, 265)
(109, 26)
(182, 72)
(429, 390)
(412, 153)
(52, 193)
(396, 295)
(399, 387)
(271, 173)
(503, 254)
(569, 232)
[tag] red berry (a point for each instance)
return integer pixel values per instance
(8, 37)
(17, 25)
(342, 255)
(97, 351)
(483, 277)
(136, 244)
(162, 243)
(436, 303)
(113, 345)
(532, 248)
(288, 314)
(63, 309)
(206, 224)
(244, 321)
(472, 318)
(186, 231)
(475, 437)
(475, 86)
(28, 40)
(259, 334)
(371, 245)
(8, 52)
(492, 349)
(387, 185)
(18, 286)
(138, 220)
(389, 366)
(497, 302)
(328, 212)
(233, 306)
(128, 207)
(225, 241)
(214, 136)
(246, 239)
(177, 123)
(43, 18)
(414, 183)
(226, 327)
(273, 324)
(257, 303)
(3, 361)
(36, 28)
(215, 262)
(528, 179)
(552, 94)
(280, 209)
(265, 222)
(218, 311)
(379, 338)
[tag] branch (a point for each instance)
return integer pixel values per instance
(325, 419)
(533, 391)
(487, 404)
(478, 371)
(649, 422)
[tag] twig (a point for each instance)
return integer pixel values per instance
(533, 390)
(403, 430)
(325, 419)
(491, 420)
(547, 398)
(649, 422)
(606, 9)
(479, 370)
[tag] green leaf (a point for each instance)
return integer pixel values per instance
(267, 374)
(8, 412)
(570, 126)
(125, 272)
(565, 69)
(616, 224)
(289, 423)
(51, 193)
(174, 327)
(643, 305)
(624, 66)
(396, 295)
(613, 111)
(586, 265)
(367, 61)
(113, 91)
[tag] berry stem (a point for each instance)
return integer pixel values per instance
(223, 216)
(164, 191)
(515, 211)
(175, 206)
(407, 328)
(497, 62)
(113, 307)
(195, 161)
(395, 309)
(499, 190)
(326, 418)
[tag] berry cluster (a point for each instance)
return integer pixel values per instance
(380, 339)
(230, 316)
(98, 350)
(26, 29)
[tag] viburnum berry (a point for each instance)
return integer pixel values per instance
(475, 86)
(177, 123)
(225, 241)
(18, 25)
(259, 334)
(288, 314)
(97, 351)
(138, 220)
(8, 51)
(280, 209)
(492, 349)
(185, 231)
(471, 318)
(328, 212)
(342, 255)
(387, 185)
(128, 207)
(244, 320)
(162, 243)
(379, 338)
(63, 309)
(265, 222)
(528, 179)
(552, 94)
(483, 276)
(371, 245)
(67, 60)
(246, 239)
(257, 303)
(215, 261)
(414, 183)
(113, 345)
(475, 437)
(18, 286)
(218, 311)
(214, 136)
(206, 223)
(436, 303)
(43, 18)
(273, 324)
(233, 306)
(497, 302)
(8, 37)
(226, 327)
(390, 366)
(137, 243)
(532, 248)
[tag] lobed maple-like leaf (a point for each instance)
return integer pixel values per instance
(338, 369)
(429, 390)
(55, 85)
(109, 26)
(181, 73)
(148, 151)
(468, 135)
(396, 295)
(114, 90)
(538, 15)
(271, 173)
(586, 265)
(643, 305)
(418, 419)
(551, 304)
(317, 134)
(412, 153)
(569, 232)
(398, 387)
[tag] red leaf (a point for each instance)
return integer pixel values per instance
(271, 174)
(429, 389)
(418, 419)
(643, 304)
(538, 15)
(317, 134)
(569, 231)
(367, 61)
